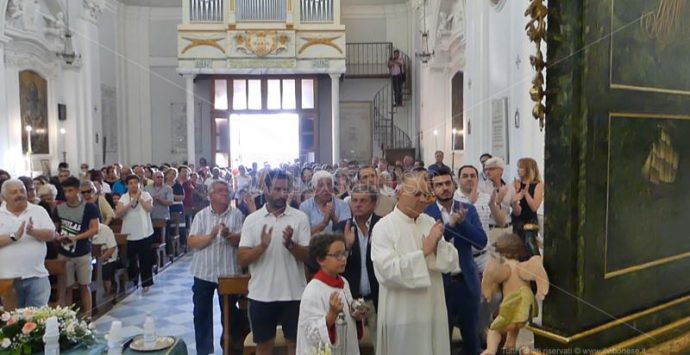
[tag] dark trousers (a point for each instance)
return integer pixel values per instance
(397, 89)
(140, 258)
(463, 311)
(203, 317)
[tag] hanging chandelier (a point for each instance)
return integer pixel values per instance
(68, 54)
(425, 55)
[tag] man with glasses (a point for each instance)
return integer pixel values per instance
(30, 190)
(410, 256)
(214, 236)
(90, 194)
(274, 244)
(162, 195)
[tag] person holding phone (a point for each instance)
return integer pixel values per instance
(396, 68)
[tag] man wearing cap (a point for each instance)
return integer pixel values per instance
(493, 168)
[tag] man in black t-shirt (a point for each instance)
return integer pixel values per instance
(79, 222)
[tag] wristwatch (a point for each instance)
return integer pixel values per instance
(13, 236)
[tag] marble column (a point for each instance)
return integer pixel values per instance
(335, 117)
(191, 147)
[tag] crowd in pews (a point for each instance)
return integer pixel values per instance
(327, 246)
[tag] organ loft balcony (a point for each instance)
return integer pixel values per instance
(261, 37)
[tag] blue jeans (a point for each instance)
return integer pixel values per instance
(32, 292)
(203, 317)
(463, 310)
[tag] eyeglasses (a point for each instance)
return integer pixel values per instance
(86, 192)
(341, 256)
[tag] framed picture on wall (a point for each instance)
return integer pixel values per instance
(500, 141)
(45, 167)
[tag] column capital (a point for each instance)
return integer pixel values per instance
(335, 76)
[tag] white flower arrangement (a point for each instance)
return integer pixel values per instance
(21, 330)
(324, 349)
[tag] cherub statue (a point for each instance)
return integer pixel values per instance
(56, 26)
(15, 10)
(519, 304)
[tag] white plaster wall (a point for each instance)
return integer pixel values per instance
(78, 87)
(378, 23)
(507, 42)
(134, 87)
(361, 89)
(107, 45)
(494, 42)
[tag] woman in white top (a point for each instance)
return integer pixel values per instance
(242, 180)
(326, 298)
(135, 208)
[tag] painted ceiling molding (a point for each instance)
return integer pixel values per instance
(24, 59)
(93, 9)
(497, 4)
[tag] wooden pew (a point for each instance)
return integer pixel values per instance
(159, 245)
(229, 286)
(116, 225)
(121, 275)
(58, 268)
(98, 295)
(8, 298)
(175, 235)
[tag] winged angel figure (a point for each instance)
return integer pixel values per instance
(506, 270)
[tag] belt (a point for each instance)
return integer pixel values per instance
(480, 253)
(497, 226)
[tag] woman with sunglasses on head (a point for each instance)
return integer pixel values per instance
(91, 194)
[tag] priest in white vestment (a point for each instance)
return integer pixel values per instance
(410, 256)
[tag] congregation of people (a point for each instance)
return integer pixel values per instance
(394, 251)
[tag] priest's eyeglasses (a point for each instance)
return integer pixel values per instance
(341, 256)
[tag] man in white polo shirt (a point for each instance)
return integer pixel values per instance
(214, 237)
(24, 230)
(274, 244)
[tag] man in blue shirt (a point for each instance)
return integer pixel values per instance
(324, 209)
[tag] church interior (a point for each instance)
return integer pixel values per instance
(235, 95)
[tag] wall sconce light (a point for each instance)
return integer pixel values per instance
(516, 118)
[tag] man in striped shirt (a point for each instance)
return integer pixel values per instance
(214, 237)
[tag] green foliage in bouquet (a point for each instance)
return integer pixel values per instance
(21, 331)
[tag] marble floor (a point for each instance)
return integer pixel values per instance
(170, 304)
